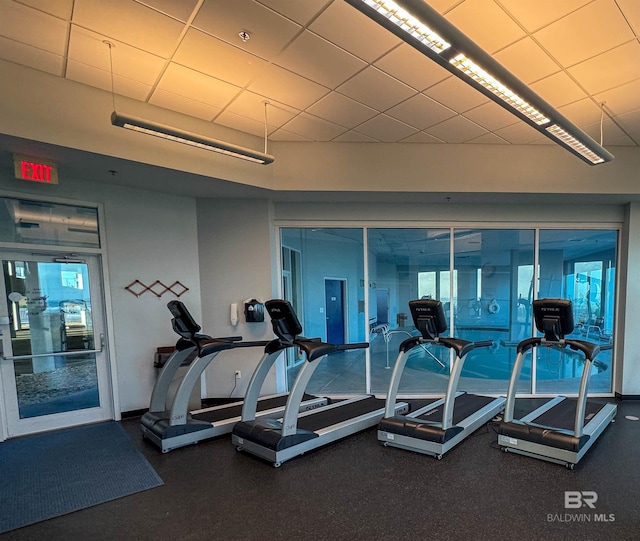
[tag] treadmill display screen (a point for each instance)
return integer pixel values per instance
(554, 317)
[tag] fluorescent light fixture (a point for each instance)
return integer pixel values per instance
(188, 138)
(422, 27)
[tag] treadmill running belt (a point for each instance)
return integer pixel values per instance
(221, 414)
(563, 415)
(464, 405)
(322, 419)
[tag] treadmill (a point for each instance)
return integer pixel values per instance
(278, 440)
(168, 423)
(437, 427)
(556, 431)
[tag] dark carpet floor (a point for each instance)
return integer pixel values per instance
(356, 489)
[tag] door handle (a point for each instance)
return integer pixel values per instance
(56, 353)
(53, 353)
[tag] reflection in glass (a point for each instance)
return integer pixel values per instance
(329, 301)
(579, 266)
(50, 314)
(406, 264)
(36, 222)
(487, 294)
(493, 302)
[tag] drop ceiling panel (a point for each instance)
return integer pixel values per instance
(558, 89)
(409, 65)
(32, 27)
(485, 23)
(575, 53)
(300, 12)
(270, 32)
(538, 64)
(29, 56)
(251, 105)
(585, 33)
(386, 129)
(582, 112)
(337, 24)
(287, 87)
(131, 23)
(87, 47)
(622, 99)
(456, 130)
(421, 112)
(456, 94)
(630, 122)
(315, 58)
(238, 122)
(98, 78)
(342, 110)
(488, 139)
(354, 137)
(611, 134)
(197, 86)
(58, 8)
(610, 69)
(314, 128)
(212, 56)
(182, 104)
(181, 10)
(535, 15)
(631, 9)
(520, 134)
(422, 137)
(491, 116)
(376, 88)
(283, 135)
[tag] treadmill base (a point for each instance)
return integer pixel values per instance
(593, 429)
(325, 436)
(436, 449)
(219, 428)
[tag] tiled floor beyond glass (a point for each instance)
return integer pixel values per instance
(424, 374)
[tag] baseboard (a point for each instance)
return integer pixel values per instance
(133, 413)
(627, 396)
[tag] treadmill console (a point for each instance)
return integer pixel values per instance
(285, 322)
(554, 318)
(182, 322)
(428, 317)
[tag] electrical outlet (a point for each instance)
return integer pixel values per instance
(238, 374)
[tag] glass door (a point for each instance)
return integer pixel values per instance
(53, 365)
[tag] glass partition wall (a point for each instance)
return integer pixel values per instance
(354, 284)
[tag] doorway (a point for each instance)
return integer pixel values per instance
(334, 294)
(54, 369)
(382, 306)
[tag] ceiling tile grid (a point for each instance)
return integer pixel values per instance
(329, 73)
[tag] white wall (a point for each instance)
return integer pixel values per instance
(628, 346)
(149, 236)
(236, 263)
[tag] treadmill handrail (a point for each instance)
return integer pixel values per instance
(315, 352)
(161, 388)
(206, 353)
(461, 348)
(588, 349)
(252, 394)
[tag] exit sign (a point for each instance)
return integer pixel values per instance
(35, 170)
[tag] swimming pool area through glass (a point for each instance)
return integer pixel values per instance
(486, 279)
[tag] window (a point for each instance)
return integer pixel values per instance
(487, 295)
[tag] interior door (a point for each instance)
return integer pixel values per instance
(53, 366)
(334, 301)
